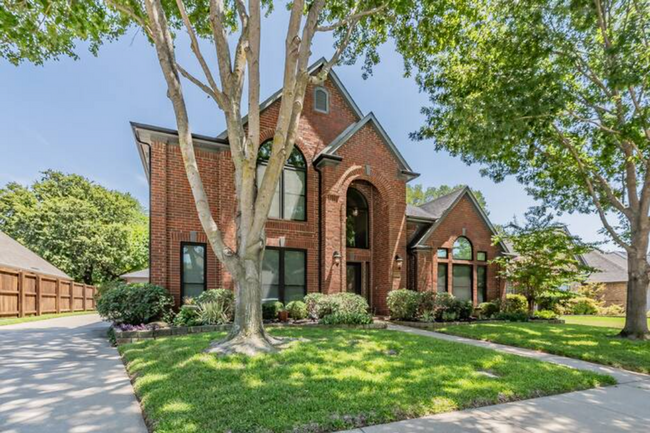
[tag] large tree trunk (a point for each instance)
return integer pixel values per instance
(636, 325)
(247, 335)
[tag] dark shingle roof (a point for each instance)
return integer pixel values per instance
(14, 255)
(416, 212)
(437, 207)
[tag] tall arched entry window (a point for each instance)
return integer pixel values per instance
(462, 274)
(289, 200)
(357, 220)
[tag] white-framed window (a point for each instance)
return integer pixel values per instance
(321, 100)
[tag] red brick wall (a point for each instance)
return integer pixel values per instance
(463, 220)
(174, 218)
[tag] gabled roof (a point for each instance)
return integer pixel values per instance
(16, 256)
(438, 209)
(331, 149)
(611, 266)
(313, 68)
(142, 273)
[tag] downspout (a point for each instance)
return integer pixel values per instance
(320, 229)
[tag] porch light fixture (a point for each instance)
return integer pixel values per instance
(337, 258)
(399, 261)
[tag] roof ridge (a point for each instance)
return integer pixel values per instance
(462, 187)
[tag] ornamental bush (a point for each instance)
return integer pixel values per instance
(270, 310)
(555, 300)
(489, 309)
(217, 306)
(403, 304)
(515, 304)
(545, 314)
(188, 315)
(346, 319)
(517, 316)
(612, 310)
(582, 306)
(133, 304)
(297, 310)
(346, 307)
(312, 301)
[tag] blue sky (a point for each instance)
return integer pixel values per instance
(74, 116)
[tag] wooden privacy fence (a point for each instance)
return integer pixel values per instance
(27, 294)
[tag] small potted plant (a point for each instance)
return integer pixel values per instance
(283, 315)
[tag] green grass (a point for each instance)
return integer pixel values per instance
(590, 343)
(16, 320)
(330, 379)
(608, 321)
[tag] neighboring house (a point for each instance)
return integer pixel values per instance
(141, 276)
(339, 221)
(612, 273)
(15, 256)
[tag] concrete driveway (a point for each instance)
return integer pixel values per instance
(61, 375)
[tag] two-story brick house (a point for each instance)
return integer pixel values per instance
(339, 220)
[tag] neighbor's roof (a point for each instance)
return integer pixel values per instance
(142, 273)
(14, 255)
(611, 266)
(437, 210)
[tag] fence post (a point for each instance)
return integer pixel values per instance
(38, 295)
(21, 294)
(57, 289)
(84, 299)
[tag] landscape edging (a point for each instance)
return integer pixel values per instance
(438, 325)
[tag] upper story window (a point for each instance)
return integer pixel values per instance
(462, 249)
(357, 220)
(289, 200)
(321, 100)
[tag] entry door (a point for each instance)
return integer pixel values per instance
(354, 278)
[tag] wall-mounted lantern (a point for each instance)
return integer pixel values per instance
(399, 261)
(337, 258)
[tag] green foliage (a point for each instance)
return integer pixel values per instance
(312, 301)
(545, 314)
(555, 300)
(489, 309)
(548, 257)
(134, 304)
(582, 306)
(403, 304)
(345, 306)
(91, 233)
(514, 304)
(270, 310)
(417, 195)
(612, 310)
(217, 306)
(516, 316)
(297, 310)
(37, 31)
(341, 318)
(188, 315)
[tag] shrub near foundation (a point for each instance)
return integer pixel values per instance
(134, 304)
(403, 304)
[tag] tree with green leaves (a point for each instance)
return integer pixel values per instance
(233, 30)
(546, 256)
(555, 93)
(39, 30)
(417, 195)
(91, 233)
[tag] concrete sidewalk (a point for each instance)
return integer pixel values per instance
(621, 408)
(61, 375)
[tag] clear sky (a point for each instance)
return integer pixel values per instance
(74, 116)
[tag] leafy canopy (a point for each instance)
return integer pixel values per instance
(417, 195)
(546, 256)
(91, 233)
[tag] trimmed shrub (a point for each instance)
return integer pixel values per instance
(340, 318)
(463, 309)
(428, 304)
(612, 310)
(403, 304)
(583, 306)
(217, 306)
(188, 315)
(517, 316)
(428, 317)
(545, 314)
(312, 301)
(555, 300)
(444, 303)
(489, 309)
(270, 310)
(297, 310)
(350, 303)
(449, 316)
(515, 304)
(134, 304)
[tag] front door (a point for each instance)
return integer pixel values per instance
(354, 278)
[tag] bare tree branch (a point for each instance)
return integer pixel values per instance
(351, 19)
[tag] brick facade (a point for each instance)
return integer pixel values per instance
(463, 219)
(365, 162)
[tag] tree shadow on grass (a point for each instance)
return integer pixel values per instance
(333, 380)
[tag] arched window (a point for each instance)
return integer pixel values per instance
(462, 249)
(289, 200)
(357, 220)
(321, 100)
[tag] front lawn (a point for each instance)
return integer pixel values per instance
(331, 379)
(15, 320)
(609, 321)
(590, 343)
